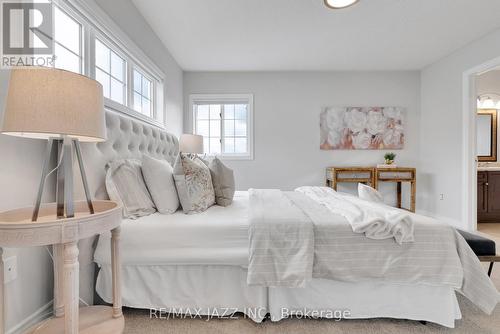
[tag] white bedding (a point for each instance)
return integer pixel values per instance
(375, 220)
(200, 261)
(439, 255)
(213, 290)
(217, 236)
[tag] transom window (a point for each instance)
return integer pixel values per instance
(225, 122)
(67, 42)
(110, 72)
(132, 84)
(142, 93)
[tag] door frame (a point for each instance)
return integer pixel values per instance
(469, 156)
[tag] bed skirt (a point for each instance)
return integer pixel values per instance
(215, 290)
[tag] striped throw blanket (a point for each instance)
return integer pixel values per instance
(281, 240)
(294, 239)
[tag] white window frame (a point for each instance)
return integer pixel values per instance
(153, 92)
(227, 99)
(97, 24)
(81, 36)
(104, 41)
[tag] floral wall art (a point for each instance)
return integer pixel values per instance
(362, 128)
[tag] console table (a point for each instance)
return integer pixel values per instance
(373, 176)
(17, 230)
(336, 175)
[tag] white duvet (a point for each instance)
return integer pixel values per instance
(216, 236)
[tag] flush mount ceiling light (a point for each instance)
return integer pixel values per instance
(338, 4)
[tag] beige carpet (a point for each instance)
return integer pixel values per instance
(474, 322)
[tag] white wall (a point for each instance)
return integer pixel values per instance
(20, 168)
(441, 128)
(128, 18)
(286, 112)
(489, 82)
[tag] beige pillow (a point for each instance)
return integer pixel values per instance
(159, 178)
(369, 194)
(223, 181)
(194, 184)
(125, 185)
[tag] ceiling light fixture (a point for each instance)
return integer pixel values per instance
(488, 101)
(338, 4)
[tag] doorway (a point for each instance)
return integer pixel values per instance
(481, 161)
(488, 167)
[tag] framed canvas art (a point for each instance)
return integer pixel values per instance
(362, 128)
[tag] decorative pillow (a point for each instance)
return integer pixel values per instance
(369, 194)
(223, 181)
(159, 177)
(125, 185)
(194, 184)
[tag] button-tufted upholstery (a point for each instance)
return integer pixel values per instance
(127, 138)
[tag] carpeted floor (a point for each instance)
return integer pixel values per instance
(474, 322)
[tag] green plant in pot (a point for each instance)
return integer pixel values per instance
(389, 158)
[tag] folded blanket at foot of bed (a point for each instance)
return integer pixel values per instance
(375, 220)
(293, 238)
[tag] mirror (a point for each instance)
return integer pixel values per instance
(486, 135)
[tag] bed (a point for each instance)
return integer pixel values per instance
(198, 264)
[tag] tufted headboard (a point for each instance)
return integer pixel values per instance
(127, 138)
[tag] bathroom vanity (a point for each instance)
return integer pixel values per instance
(488, 195)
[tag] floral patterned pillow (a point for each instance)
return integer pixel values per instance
(194, 184)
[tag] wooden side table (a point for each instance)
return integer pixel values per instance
(399, 175)
(336, 175)
(373, 176)
(17, 230)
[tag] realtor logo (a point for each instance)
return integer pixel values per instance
(27, 34)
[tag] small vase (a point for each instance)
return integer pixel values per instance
(389, 162)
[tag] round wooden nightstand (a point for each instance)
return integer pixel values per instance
(17, 230)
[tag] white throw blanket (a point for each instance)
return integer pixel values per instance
(375, 220)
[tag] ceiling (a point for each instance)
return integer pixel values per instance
(276, 35)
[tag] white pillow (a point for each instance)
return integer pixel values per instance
(125, 185)
(369, 194)
(194, 184)
(223, 181)
(159, 177)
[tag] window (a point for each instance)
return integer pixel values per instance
(225, 122)
(110, 72)
(67, 42)
(88, 42)
(142, 93)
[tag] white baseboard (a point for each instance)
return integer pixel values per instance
(42, 313)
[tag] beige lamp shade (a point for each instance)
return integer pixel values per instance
(191, 143)
(45, 103)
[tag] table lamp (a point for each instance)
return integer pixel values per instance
(64, 108)
(192, 144)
